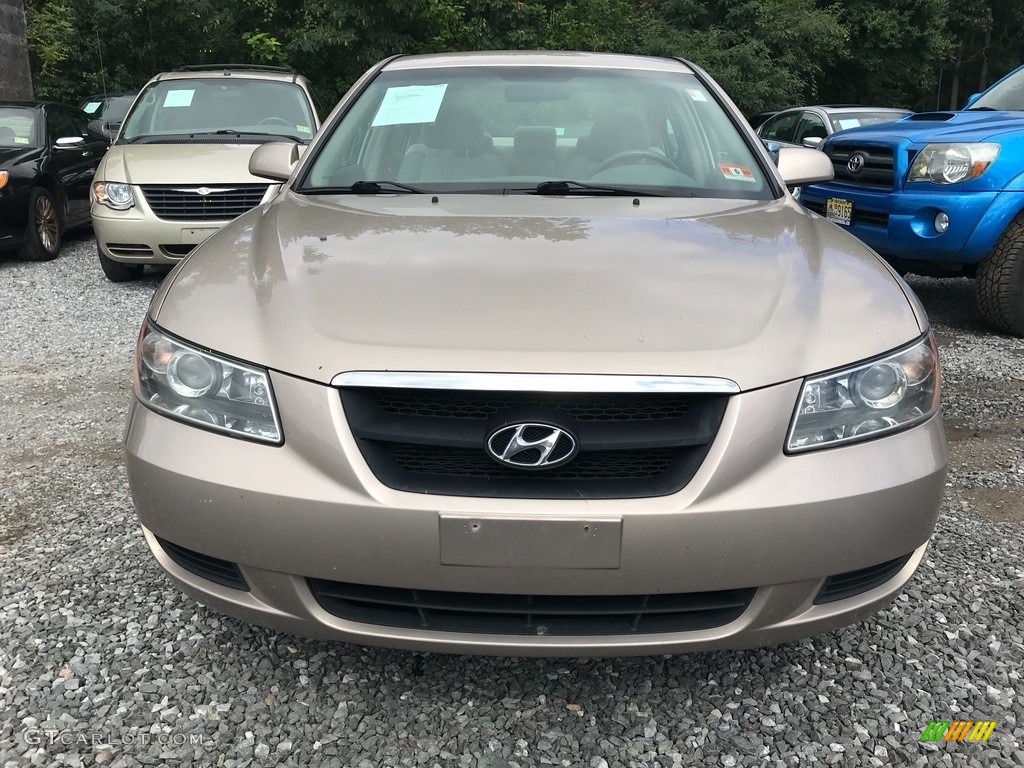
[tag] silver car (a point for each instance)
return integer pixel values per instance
(533, 353)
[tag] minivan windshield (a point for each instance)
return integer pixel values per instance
(219, 109)
(540, 130)
(1005, 96)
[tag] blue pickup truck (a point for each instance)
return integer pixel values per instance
(940, 194)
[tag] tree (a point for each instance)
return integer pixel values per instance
(15, 77)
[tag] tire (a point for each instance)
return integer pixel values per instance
(117, 271)
(1000, 282)
(44, 230)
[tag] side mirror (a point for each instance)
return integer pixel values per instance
(275, 160)
(773, 148)
(971, 99)
(70, 142)
(801, 165)
(100, 129)
(812, 142)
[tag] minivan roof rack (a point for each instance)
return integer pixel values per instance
(255, 67)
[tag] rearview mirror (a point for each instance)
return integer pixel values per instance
(801, 165)
(275, 160)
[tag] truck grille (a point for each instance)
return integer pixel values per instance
(876, 171)
(222, 202)
(530, 614)
(631, 445)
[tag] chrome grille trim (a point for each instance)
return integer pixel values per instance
(537, 382)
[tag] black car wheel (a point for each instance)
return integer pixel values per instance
(118, 271)
(44, 229)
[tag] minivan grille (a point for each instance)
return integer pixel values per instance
(876, 171)
(530, 614)
(631, 445)
(217, 202)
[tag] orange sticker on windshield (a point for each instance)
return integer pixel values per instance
(736, 172)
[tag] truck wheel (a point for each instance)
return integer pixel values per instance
(1000, 282)
(117, 271)
(44, 229)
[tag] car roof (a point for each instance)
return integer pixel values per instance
(847, 108)
(110, 95)
(31, 104)
(537, 59)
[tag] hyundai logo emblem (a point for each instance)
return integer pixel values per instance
(855, 163)
(531, 446)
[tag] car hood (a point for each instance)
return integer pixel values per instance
(178, 164)
(757, 292)
(928, 127)
(11, 156)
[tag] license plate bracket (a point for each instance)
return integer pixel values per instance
(519, 542)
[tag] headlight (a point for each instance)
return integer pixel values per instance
(3, 179)
(869, 400)
(197, 386)
(952, 163)
(113, 195)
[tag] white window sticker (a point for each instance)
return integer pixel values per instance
(303, 129)
(91, 107)
(852, 122)
(21, 139)
(408, 104)
(181, 98)
(696, 94)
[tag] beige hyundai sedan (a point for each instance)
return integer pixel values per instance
(534, 354)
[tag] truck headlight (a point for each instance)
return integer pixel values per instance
(196, 385)
(867, 400)
(952, 163)
(113, 195)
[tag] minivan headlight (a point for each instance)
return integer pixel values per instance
(952, 163)
(868, 400)
(195, 385)
(113, 195)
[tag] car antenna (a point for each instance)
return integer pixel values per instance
(99, 55)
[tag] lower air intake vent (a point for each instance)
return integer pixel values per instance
(852, 583)
(530, 614)
(211, 568)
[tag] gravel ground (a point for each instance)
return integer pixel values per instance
(103, 662)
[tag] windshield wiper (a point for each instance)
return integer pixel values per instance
(982, 109)
(567, 187)
(233, 132)
(364, 187)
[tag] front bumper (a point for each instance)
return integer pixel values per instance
(900, 224)
(750, 518)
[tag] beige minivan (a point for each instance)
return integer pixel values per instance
(178, 170)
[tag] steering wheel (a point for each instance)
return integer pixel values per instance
(630, 155)
(274, 121)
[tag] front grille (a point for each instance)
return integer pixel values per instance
(211, 568)
(631, 445)
(860, 216)
(223, 202)
(877, 171)
(530, 614)
(852, 583)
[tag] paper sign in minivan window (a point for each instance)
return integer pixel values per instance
(180, 98)
(408, 104)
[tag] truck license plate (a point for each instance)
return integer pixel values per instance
(838, 210)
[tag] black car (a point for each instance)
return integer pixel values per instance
(48, 156)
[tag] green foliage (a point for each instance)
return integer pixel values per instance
(766, 53)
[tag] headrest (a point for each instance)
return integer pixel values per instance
(537, 139)
(459, 130)
(7, 134)
(615, 133)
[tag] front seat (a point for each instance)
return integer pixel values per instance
(609, 136)
(7, 135)
(454, 147)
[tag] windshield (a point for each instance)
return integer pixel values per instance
(856, 120)
(1005, 96)
(491, 129)
(208, 106)
(111, 108)
(17, 127)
